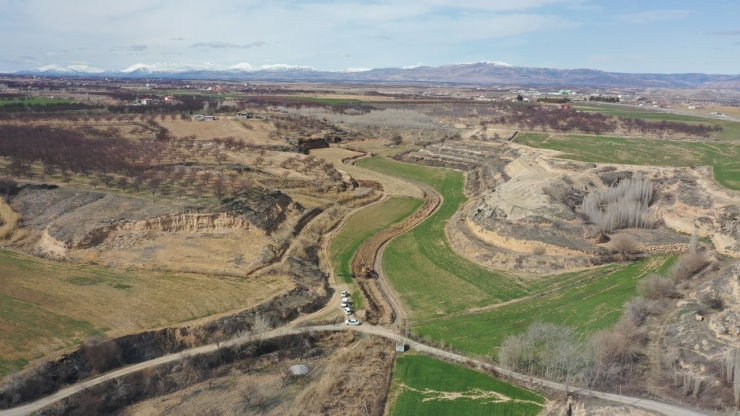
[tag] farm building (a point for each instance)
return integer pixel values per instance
(203, 117)
(244, 116)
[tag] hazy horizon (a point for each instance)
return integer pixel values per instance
(629, 36)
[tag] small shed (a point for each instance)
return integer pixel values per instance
(244, 116)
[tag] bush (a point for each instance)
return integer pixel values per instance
(638, 309)
(713, 302)
(8, 187)
(687, 265)
(624, 245)
(655, 287)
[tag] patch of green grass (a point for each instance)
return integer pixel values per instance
(85, 280)
(587, 307)
(122, 286)
(430, 277)
(723, 157)
(11, 366)
(22, 321)
(329, 101)
(48, 306)
(425, 386)
(364, 224)
(358, 302)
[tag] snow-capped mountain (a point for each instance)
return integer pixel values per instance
(485, 72)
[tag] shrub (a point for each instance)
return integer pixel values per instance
(713, 302)
(624, 245)
(687, 265)
(538, 250)
(638, 309)
(655, 287)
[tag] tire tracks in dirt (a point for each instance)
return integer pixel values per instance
(380, 306)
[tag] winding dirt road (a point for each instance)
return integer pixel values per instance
(372, 330)
(380, 309)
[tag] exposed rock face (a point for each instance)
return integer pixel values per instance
(95, 228)
(180, 222)
(265, 209)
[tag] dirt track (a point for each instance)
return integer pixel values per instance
(378, 309)
(372, 330)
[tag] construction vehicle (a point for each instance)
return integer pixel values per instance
(367, 271)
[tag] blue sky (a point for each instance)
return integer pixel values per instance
(617, 35)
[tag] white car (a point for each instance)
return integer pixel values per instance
(344, 304)
(346, 300)
(352, 322)
(348, 310)
(344, 294)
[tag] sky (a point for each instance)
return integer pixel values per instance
(659, 36)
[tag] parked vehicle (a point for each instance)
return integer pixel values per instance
(352, 322)
(344, 304)
(348, 311)
(346, 300)
(345, 294)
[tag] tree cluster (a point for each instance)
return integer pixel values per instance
(667, 127)
(544, 118)
(625, 205)
(603, 99)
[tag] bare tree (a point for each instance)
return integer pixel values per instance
(122, 183)
(154, 184)
(261, 325)
(219, 188)
(625, 205)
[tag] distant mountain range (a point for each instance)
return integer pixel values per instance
(479, 73)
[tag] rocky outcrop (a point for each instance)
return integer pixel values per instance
(180, 222)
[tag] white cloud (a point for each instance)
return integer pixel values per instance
(651, 16)
(227, 45)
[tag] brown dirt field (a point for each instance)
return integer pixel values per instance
(224, 127)
(730, 111)
(378, 310)
(392, 186)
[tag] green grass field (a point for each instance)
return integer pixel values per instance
(587, 307)
(430, 277)
(725, 158)
(364, 224)
(730, 129)
(439, 288)
(425, 386)
(47, 306)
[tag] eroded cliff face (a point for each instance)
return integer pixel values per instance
(120, 231)
(532, 215)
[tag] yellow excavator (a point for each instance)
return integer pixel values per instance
(367, 271)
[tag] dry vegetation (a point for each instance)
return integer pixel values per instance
(346, 375)
(47, 306)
